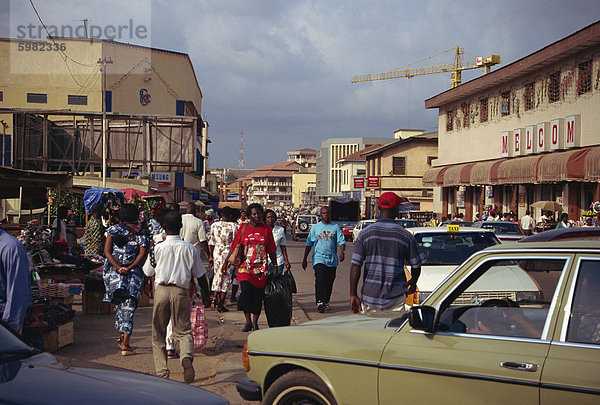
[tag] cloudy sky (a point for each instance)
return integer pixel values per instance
(280, 70)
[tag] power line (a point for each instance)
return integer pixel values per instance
(65, 56)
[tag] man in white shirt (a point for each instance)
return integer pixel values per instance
(527, 223)
(176, 262)
(192, 231)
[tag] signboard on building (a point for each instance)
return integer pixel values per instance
(373, 182)
(557, 134)
(460, 197)
(163, 178)
(359, 182)
(233, 196)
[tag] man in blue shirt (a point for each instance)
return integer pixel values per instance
(325, 237)
(384, 248)
(15, 281)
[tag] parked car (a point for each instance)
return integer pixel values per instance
(442, 250)
(348, 229)
(460, 223)
(408, 223)
(29, 376)
(506, 231)
(503, 346)
(587, 233)
(302, 224)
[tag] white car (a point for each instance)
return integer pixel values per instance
(444, 249)
(360, 226)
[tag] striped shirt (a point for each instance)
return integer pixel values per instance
(384, 248)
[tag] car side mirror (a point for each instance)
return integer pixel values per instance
(422, 318)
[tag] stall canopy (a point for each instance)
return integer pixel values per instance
(592, 165)
(521, 170)
(94, 195)
(130, 193)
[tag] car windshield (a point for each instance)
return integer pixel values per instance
(506, 228)
(452, 248)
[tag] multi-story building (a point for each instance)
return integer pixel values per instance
(329, 172)
(306, 157)
(523, 133)
(304, 184)
(399, 167)
(272, 185)
(51, 107)
(353, 166)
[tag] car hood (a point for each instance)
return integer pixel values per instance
(336, 337)
(49, 379)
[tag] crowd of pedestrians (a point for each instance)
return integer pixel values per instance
(169, 263)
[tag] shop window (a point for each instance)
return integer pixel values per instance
(37, 98)
(505, 103)
(554, 87)
(529, 96)
(76, 100)
(483, 110)
(584, 79)
(450, 120)
(399, 166)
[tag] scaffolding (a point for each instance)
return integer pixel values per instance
(62, 140)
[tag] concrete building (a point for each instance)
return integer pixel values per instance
(306, 157)
(304, 185)
(51, 104)
(329, 172)
(272, 185)
(399, 167)
(353, 166)
(523, 133)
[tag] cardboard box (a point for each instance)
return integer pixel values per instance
(50, 340)
(57, 338)
(93, 304)
(65, 334)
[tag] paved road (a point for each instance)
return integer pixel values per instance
(219, 365)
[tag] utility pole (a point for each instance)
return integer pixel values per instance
(84, 21)
(103, 62)
(241, 165)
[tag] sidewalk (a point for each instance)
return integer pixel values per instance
(218, 366)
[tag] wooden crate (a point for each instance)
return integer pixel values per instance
(50, 340)
(93, 304)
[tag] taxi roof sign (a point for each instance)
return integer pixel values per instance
(453, 228)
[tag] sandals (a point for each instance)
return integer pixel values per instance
(127, 351)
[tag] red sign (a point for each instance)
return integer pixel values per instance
(372, 182)
(359, 182)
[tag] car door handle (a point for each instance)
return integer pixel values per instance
(514, 365)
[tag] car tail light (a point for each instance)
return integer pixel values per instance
(245, 358)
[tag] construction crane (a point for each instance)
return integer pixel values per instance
(456, 68)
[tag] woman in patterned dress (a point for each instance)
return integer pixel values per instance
(220, 238)
(125, 250)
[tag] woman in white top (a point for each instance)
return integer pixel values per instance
(280, 241)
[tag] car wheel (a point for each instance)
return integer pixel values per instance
(303, 226)
(298, 387)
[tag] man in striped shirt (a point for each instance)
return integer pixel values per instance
(384, 248)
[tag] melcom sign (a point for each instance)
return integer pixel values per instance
(562, 133)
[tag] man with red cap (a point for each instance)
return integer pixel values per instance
(384, 248)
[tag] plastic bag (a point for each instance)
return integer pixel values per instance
(278, 302)
(287, 275)
(198, 321)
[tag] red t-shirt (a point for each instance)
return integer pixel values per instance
(258, 242)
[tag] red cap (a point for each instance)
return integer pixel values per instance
(389, 200)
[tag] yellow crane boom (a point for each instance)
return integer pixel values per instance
(456, 68)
